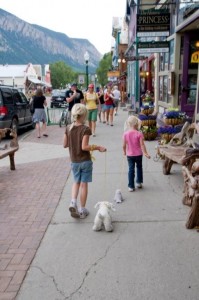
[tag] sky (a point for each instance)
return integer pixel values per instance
(87, 19)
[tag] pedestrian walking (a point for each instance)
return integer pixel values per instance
(117, 97)
(101, 108)
(109, 105)
(39, 103)
(73, 96)
(91, 101)
(76, 138)
(134, 148)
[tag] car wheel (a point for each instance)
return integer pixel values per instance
(51, 105)
(14, 125)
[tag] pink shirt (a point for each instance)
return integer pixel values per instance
(132, 138)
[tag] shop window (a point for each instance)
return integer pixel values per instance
(171, 55)
(181, 53)
(192, 87)
(164, 58)
(186, 9)
(163, 88)
(193, 48)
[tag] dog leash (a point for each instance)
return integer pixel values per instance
(122, 172)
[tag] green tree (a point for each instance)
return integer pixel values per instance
(104, 66)
(61, 75)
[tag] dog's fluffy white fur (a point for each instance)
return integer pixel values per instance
(118, 196)
(103, 216)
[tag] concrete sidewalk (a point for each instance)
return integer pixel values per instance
(149, 256)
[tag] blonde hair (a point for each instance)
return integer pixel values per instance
(132, 122)
(79, 111)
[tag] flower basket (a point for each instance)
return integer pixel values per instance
(167, 137)
(145, 122)
(174, 121)
(151, 136)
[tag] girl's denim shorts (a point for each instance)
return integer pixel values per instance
(82, 171)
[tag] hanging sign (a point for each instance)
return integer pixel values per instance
(195, 57)
(153, 47)
(153, 23)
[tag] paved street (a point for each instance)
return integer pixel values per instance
(150, 255)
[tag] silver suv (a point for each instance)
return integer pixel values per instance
(14, 109)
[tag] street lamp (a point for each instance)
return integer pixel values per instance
(86, 58)
(95, 81)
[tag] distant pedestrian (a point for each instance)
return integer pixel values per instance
(101, 107)
(109, 105)
(134, 148)
(76, 138)
(73, 96)
(117, 97)
(39, 101)
(91, 101)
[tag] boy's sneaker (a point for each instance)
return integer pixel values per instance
(139, 185)
(74, 210)
(83, 213)
(131, 190)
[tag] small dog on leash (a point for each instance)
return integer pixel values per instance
(103, 216)
(118, 196)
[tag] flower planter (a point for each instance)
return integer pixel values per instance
(173, 122)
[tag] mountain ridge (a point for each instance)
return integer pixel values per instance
(22, 43)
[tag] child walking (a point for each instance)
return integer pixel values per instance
(76, 137)
(134, 148)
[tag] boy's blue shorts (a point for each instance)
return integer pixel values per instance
(82, 172)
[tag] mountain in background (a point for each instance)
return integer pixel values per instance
(23, 43)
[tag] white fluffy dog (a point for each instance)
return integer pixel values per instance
(118, 196)
(103, 216)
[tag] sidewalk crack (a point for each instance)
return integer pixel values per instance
(95, 264)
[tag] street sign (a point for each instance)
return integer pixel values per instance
(81, 79)
(195, 57)
(153, 23)
(153, 47)
(132, 58)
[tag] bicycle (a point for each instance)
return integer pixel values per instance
(63, 121)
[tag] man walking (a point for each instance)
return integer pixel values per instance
(73, 96)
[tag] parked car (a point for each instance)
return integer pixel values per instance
(14, 109)
(58, 98)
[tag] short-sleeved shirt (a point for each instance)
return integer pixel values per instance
(108, 100)
(132, 138)
(77, 99)
(75, 137)
(91, 100)
(39, 101)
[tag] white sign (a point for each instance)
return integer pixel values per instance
(81, 79)
(152, 50)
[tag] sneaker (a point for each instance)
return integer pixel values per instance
(74, 210)
(83, 213)
(139, 185)
(131, 190)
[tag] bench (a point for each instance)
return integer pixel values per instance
(9, 150)
(186, 155)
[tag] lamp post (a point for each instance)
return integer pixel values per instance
(86, 58)
(95, 81)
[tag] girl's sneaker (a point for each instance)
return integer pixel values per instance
(83, 213)
(131, 190)
(139, 185)
(74, 210)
